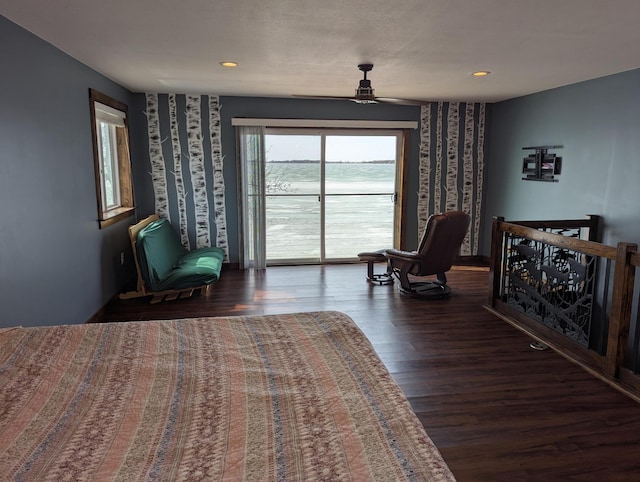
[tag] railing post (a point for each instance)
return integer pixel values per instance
(595, 226)
(495, 264)
(619, 321)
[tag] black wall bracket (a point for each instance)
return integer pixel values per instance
(541, 165)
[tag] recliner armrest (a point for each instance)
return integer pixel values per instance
(404, 263)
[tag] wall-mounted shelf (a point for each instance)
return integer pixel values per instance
(541, 165)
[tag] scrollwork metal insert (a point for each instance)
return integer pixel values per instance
(550, 284)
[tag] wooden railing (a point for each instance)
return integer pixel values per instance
(553, 280)
(629, 373)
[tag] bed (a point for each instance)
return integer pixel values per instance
(299, 396)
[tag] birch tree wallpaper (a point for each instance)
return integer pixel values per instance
(186, 163)
(452, 164)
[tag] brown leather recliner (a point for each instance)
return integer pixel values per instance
(440, 244)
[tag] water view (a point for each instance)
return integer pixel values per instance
(358, 209)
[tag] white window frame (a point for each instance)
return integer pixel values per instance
(113, 165)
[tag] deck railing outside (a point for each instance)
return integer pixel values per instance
(353, 223)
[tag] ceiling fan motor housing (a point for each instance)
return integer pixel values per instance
(365, 92)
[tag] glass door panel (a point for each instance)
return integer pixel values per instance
(293, 208)
(360, 173)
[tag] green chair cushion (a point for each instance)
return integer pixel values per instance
(165, 264)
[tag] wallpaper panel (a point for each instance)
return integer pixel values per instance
(186, 163)
(451, 168)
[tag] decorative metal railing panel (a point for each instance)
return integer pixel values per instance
(550, 284)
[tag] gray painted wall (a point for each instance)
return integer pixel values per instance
(56, 265)
(598, 123)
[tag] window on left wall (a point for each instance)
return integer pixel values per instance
(110, 134)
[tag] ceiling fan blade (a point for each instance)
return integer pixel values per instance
(378, 100)
(392, 100)
(325, 97)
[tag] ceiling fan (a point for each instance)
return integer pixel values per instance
(365, 93)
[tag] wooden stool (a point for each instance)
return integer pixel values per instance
(377, 257)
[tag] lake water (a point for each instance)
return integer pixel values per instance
(358, 209)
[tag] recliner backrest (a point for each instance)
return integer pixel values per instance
(441, 241)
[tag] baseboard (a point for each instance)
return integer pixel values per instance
(459, 261)
(471, 261)
(97, 316)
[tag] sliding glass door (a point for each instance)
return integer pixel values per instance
(329, 194)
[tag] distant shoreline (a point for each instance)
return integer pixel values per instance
(307, 161)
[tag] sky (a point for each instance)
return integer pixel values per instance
(338, 148)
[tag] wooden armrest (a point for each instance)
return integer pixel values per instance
(133, 236)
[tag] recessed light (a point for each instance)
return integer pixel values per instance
(228, 63)
(481, 73)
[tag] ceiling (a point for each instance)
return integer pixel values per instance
(421, 49)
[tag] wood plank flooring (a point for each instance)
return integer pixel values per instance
(496, 409)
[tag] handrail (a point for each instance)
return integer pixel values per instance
(587, 247)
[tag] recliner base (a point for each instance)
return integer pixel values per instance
(380, 278)
(427, 290)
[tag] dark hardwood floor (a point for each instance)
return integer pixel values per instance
(496, 409)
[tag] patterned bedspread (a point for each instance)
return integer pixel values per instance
(280, 397)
